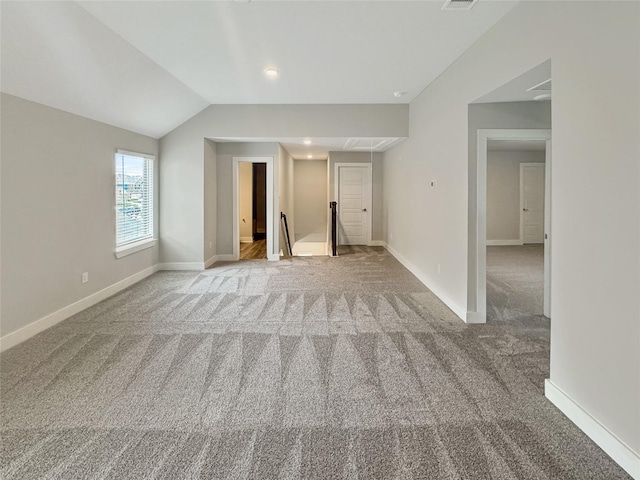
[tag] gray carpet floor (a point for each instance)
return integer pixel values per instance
(515, 286)
(313, 368)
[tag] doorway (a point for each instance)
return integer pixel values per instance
(252, 197)
(480, 240)
(353, 192)
(253, 208)
(515, 232)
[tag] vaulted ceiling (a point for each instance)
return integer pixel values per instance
(149, 66)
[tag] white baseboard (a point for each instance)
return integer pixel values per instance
(246, 239)
(475, 318)
(226, 257)
(377, 243)
(448, 301)
(19, 336)
(503, 242)
(619, 451)
(181, 266)
(210, 261)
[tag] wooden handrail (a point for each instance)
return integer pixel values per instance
(286, 229)
(334, 229)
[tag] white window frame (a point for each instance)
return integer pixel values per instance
(149, 241)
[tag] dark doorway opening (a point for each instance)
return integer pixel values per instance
(259, 196)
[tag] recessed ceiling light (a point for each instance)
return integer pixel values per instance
(544, 96)
(309, 156)
(307, 142)
(271, 71)
(399, 94)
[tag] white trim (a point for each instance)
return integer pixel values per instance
(377, 243)
(129, 248)
(504, 242)
(273, 240)
(246, 239)
(129, 153)
(218, 258)
(181, 266)
(479, 315)
(369, 195)
(619, 451)
(547, 230)
(210, 261)
(40, 325)
(225, 257)
(458, 309)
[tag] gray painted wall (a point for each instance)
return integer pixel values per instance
(181, 172)
(503, 192)
(286, 193)
(595, 46)
(210, 201)
(310, 196)
(58, 210)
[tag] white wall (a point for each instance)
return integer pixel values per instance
(310, 197)
(595, 332)
(181, 172)
(245, 200)
(376, 184)
(503, 192)
(58, 210)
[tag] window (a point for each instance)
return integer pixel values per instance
(134, 202)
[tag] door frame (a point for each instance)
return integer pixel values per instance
(272, 241)
(368, 194)
(480, 239)
(529, 164)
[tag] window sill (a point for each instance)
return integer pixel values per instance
(130, 248)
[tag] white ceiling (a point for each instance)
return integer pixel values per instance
(320, 147)
(148, 66)
(523, 88)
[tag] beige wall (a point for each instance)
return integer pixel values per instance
(310, 197)
(245, 200)
(595, 333)
(503, 192)
(58, 210)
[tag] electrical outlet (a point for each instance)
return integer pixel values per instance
(85, 277)
(433, 183)
(439, 268)
(210, 245)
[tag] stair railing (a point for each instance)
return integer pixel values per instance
(334, 229)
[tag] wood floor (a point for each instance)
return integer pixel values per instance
(255, 250)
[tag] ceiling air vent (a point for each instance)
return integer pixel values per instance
(459, 4)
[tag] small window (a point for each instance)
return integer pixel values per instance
(134, 201)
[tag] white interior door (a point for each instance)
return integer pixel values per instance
(354, 210)
(532, 202)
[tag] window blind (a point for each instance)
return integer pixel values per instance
(134, 197)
